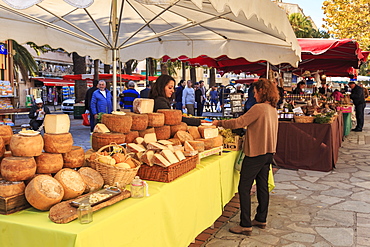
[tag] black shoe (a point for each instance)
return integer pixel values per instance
(356, 130)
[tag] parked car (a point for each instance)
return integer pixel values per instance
(67, 106)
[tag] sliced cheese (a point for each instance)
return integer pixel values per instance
(136, 148)
(139, 140)
(56, 123)
(170, 147)
(197, 145)
(203, 127)
(170, 156)
(142, 105)
(210, 133)
(151, 137)
(154, 145)
(165, 142)
(180, 155)
(101, 128)
(188, 147)
(183, 136)
(160, 160)
(147, 157)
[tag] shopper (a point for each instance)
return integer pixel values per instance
(198, 98)
(300, 88)
(128, 96)
(162, 92)
(251, 100)
(88, 97)
(188, 98)
(178, 94)
(101, 101)
(259, 146)
(203, 97)
(37, 114)
(145, 92)
(357, 96)
(337, 95)
(213, 98)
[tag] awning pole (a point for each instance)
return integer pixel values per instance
(114, 79)
(268, 70)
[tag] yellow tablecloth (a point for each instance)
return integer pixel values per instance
(173, 215)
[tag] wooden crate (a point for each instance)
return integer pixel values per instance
(12, 204)
(236, 145)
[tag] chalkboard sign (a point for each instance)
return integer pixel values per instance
(236, 103)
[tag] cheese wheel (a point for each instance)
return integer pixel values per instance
(203, 127)
(197, 145)
(171, 117)
(117, 123)
(57, 123)
(174, 128)
(49, 163)
(72, 183)
(147, 131)
(26, 145)
(2, 147)
(131, 136)
(6, 133)
(43, 192)
(175, 141)
(58, 143)
(139, 121)
(30, 179)
(8, 188)
(102, 139)
(163, 133)
(74, 158)
(194, 132)
(212, 142)
(18, 168)
(142, 105)
(183, 136)
(155, 119)
(92, 178)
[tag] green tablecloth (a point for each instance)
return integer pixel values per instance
(173, 215)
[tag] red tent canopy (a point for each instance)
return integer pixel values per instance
(134, 77)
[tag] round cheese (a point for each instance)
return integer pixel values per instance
(8, 188)
(212, 142)
(26, 145)
(147, 131)
(131, 136)
(43, 192)
(171, 117)
(174, 128)
(139, 121)
(155, 119)
(18, 168)
(163, 133)
(102, 139)
(117, 123)
(74, 158)
(183, 136)
(58, 143)
(197, 145)
(49, 163)
(2, 147)
(6, 133)
(93, 180)
(194, 132)
(72, 183)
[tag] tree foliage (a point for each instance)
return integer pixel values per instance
(348, 19)
(303, 28)
(23, 61)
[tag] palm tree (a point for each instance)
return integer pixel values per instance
(23, 61)
(302, 26)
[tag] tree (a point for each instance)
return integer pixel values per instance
(348, 19)
(302, 26)
(23, 61)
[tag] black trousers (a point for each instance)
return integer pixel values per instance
(199, 108)
(35, 124)
(360, 108)
(254, 168)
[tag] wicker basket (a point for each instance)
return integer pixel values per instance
(304, 119)
(116, 176)
(167, 174)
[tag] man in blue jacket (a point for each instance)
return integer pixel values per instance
(101, 100)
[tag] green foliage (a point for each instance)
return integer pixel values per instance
(23, 60)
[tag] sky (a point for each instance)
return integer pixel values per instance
(311, 8)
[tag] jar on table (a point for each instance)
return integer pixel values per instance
(85, 213)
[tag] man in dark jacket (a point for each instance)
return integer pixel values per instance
(357, 96)
(178, 94)
(37, 114)
(145, 92)
(129, 95)
(88, 97)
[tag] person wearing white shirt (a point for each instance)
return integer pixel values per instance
(188, 98)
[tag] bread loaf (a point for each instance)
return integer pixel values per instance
(131, 136)
(139, 121)
(93, 180)
(155, 119)
(142, 133)
(49, 163)
(26, 145)
(58, 143)
(8, 188)
(74, 158)
(56, 123)
(174, 128)
(171, 117)
(43, 192)
(194, 132)
(6, 133)
(117, 123)
(99, 140)
(163, 132)
(142, 105)
(17, 168)
(72, 183)
(183, 136)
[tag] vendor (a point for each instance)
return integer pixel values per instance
(300, 88)
(162, 92)
(37, 114)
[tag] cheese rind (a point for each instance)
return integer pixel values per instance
(163, 132)
(92, 178)
(142, 133)
(57, 123)
(6, 133)
(160, 160)
(188, 147)
(26, 146)
(58, 143)
(17, 168)
(8, 188)
(197, 145)
(99, 140)
(155, 146)
(171, 117)
(135, 148)
(183, 136)
(174, 128)
(74, 158)
(194, 132)
(142, 105)
(139, 121)
(147, 157)
(155, 119)
(72, 183)
(131, 136)
(117, 123)
(49, 163)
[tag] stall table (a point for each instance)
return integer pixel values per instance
(309, 146)
(173, 215)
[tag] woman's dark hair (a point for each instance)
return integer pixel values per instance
(180, 82)
(268, 91)
(159, 85)
(301, 83)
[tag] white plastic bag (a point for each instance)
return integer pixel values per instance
(184, 110)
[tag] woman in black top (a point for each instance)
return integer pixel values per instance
(162, 93)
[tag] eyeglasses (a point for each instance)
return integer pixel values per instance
(39, 104)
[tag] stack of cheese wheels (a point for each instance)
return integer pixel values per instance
(74, 158)
(117, 123)
(48, 163)
(72, 183)
(26, 145)
(58, 143)
(163, 133)
(6, 133)
(43, 192)
(17, 168)
(102, 139)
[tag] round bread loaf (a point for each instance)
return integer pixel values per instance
(155, 119)
(92, 178)
(171, 117)
(8, 188)
(17, 168)
(74, 158)
(43, 192)
(72, 183)
(58, 143)
(117, 123)
(6, 133)
(49, 163)
(26, 145)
